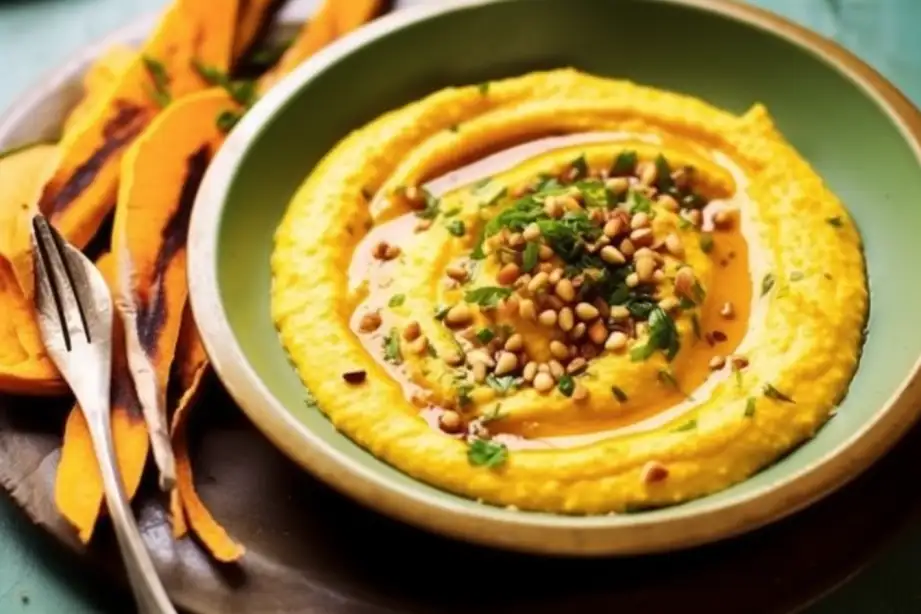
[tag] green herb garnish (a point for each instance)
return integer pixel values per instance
(750, 407)
(638, 203)
(567, 235)
(485, 335)
(663, 335)
(501, 384)
(835, 221)
(624, 163)
(486, 453)
(157, 71)
(494, 414)
(432, 206)
(567, 385)
(392, 353)
(227, 119)
(580, 166)
(767, 283)
(529, 257)
(772, 393)
(687, 426)
(244, 92)
(456, 227)
(487, 296)
(483, 88)
(463, 389)
(477, 253)
(595, 194)
(695, 325)
(396, 300)
(491, 197)
(441, 311)
(666, 377)
(796, 276)
(619, 394)
(664, 181)
(706, 242)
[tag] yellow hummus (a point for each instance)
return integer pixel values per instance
(566, 293)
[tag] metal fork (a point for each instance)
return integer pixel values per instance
(75, 316)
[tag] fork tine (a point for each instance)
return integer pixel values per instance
(57, 276)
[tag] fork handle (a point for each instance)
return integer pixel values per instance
(148, 590)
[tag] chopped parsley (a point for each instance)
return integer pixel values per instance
(835, 221)
(486, 453)
(567, 385)
(483, 88)
(667, 378)
(243, 92)
(580, 166)
(767, 283)
(772, 393)
(227, 119)
(392, 353)
(706, 242)
(664, 181)
(441, 311)
(452, 212)
(638, 203)
(796, 276)
(487, 296)
(595, 194)
(502, 383)
(485, 335)
(529, 257)
(160, 90)
(619, 394)
(489, 194)
(684, 223)
(477, 252)
(494, 414)
(432, 206)
(456, 227)
(663, 335)
(624, 163)
(690, 425)
(641, 307)
(463, 388)
(396, 300)
(750, 407)
(567, 235)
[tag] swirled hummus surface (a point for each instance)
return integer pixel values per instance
(566, 293)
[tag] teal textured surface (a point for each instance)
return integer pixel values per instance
(37, 576)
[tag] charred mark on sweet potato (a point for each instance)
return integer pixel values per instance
(129, 120)
(151, 310)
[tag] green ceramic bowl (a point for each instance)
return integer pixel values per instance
(859, 132)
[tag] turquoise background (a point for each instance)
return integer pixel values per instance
(38, 576)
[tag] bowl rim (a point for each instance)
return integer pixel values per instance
(487, 525)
